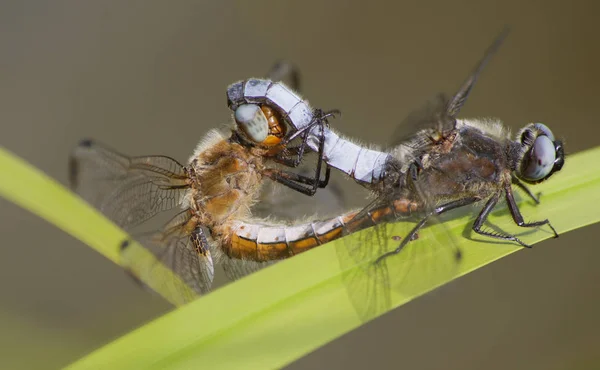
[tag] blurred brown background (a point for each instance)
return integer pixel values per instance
(150, 77)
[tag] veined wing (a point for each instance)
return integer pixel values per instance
(237, 268)
(438, 116)
(282, 204)
(286, 72)
(387, 265)
(433, 257)
(183, 248)
(430, 258)
(127, 190)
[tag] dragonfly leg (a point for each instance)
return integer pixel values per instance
(482, 217)
(319, 119)
(292, 156)
(413, 234)
(518, 218)
(295, 181)
(314, 182)
(522, 186)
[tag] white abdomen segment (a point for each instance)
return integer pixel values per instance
(363, 164)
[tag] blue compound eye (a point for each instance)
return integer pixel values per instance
(539, 160)
(252, 121)
(543, 129)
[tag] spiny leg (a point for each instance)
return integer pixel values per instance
(287, 178)
(522, 186)
(294, 180)
(516, 213)
(482, 217)
(295, 160)
(320, 118)
(315, 181)
(283, 70)
(412, 235)
(292, 156)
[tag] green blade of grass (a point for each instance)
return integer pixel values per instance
(35, 191)
(275, 316)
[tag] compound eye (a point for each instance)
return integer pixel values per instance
(539, 161)
(544, 130)
(252, 121)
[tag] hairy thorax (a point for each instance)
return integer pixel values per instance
(473, 166)
(226, 182)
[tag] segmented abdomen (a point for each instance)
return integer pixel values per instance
(362, 164)
(259, 242)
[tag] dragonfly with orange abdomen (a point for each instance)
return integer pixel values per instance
(448, 164)
(215, 189)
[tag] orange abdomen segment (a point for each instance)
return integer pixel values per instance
(262, 243)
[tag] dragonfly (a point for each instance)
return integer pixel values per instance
(445, 164)
(462, 161)
(215, 190)
(402, 179)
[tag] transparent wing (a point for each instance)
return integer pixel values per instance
(458, 100)
(439, 114)
(430, 258)
(414, 130)
(186, 254)
(236, 268)
(280, 203)
(286, 72)
(127, 190)
(367, 283)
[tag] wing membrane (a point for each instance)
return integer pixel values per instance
(186, 254)
(236, 268)
(128, 190)
(440, 112)
(372, 285)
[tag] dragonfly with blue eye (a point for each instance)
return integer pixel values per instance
(462, 161)
(445, 164)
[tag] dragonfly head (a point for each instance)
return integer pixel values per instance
(259, 124)
(541, 154)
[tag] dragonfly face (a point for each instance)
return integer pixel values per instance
(215, 191)
(540, 156)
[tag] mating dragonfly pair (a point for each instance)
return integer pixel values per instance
(447, 163)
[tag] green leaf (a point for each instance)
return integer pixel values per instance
(33, 190)
(279, 314)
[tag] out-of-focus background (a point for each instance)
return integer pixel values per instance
(150, 77)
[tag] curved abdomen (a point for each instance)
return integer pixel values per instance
(260, 243)
(362, 164)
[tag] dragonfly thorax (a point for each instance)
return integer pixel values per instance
(227, 180)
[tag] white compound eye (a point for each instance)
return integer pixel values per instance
(539, 161)
(544, 130)
(252, 121)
